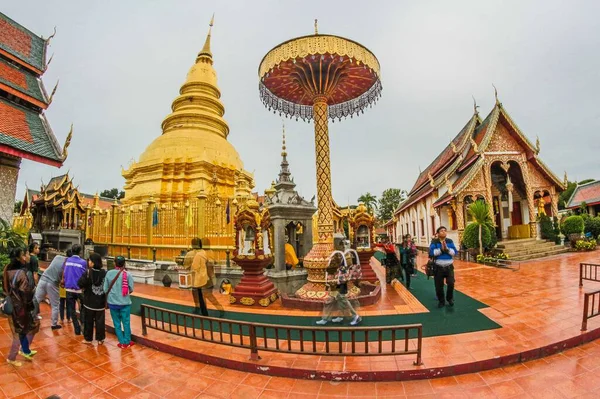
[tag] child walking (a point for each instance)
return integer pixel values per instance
(94, 300)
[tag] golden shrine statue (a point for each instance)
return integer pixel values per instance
(541, 204)
(180, 163)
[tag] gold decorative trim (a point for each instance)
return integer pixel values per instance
(247, 301)
(273, 297)
(264, 302)
(232, 299)
(317, 44)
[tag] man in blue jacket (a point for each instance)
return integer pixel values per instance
(75, 267)
(442, 250)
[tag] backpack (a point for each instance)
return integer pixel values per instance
(6, 305)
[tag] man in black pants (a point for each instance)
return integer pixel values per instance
(202, 278)
(442, 250)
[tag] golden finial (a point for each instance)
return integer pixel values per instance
(51, 36)
(53, 91)
(566, 182)
(537, 145)
(283, 152)
(454, 149)
(431, 181)
(206, 48)
(316, 27)
(475, 106)
(65, 151)
(496, 95)
(474, 144)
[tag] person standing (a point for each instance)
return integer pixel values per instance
(442, 250)
(23, 323)
(75, 267)
(391, 262)
(118, 286)
(408, 252)
(202, 278)
(33, 267)
(48, 286)
(94, 300)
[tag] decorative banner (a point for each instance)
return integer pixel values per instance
(228, 212)
(107, 222)
(128, 218)
(155, 216)
(188, 216)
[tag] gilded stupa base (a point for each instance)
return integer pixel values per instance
(255, 289)
(314, 294)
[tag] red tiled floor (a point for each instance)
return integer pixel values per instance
(140, 372)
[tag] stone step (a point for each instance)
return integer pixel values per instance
(531, 251)
(520, 243)
(534, 248)
(557, 251)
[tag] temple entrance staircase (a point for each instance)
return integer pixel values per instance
(530, 248)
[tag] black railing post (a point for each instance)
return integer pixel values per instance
(128, 252)
(586, 298)
(153, 254)
(144, 329)
(581, 274)
(253, 343)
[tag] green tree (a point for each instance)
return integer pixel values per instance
(369, 200)
(388, 203)
(9, 239)
(113, 193)
(18, 205)
(480, 213)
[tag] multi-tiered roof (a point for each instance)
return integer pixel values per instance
(24, 129)
(459, 162)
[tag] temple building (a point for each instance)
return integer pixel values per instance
(586, 196)
(193, 147)
(24, 129)
(489, 159)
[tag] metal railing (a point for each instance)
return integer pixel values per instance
(588, 271)
(323, 341)
(590, 309)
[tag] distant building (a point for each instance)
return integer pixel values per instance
(24, 129)
(489, 160)
(589, 194)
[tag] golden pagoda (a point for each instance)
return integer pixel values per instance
(193, 148)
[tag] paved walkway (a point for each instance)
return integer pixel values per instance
(66, 367)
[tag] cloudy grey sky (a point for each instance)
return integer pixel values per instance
(121, 64)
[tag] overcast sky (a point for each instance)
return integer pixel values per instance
(121, 64)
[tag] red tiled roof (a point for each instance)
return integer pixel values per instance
(21, 45)
(13, 123)
(588, 193)
(12, 75)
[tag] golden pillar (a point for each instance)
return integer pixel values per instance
(201, 214)
(149, 210)
(324, 197)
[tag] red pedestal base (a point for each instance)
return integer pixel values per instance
(365, 255)
(255, 289)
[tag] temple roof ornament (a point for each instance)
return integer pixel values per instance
(537, 145)
(205, 52)
(475, 106)
(496, 95)
(65, 152)
(285, 176)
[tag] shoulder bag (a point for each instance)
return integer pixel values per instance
(114, 280)
(6, 305)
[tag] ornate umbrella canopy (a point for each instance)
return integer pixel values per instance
(294, 73)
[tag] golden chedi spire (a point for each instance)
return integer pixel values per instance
(193, 140)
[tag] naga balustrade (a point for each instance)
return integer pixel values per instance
(588, 271)
(590, 309)
(324, 341)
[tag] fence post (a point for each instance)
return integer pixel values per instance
(586, 298)
(144, 329)
(581, 275)
(253, 343)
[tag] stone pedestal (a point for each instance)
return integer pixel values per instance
(255, 288)
(368, 274)
(142, 271)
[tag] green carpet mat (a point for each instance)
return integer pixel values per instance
(463, 317)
